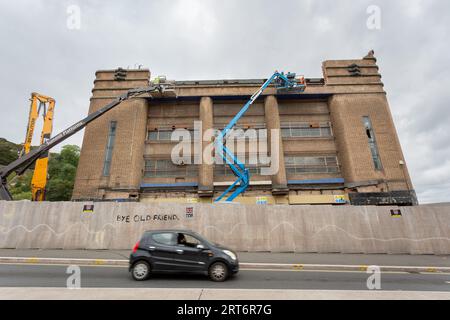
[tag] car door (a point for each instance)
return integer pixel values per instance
(192, 257)
(165, 252)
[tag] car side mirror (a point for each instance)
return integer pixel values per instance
(200, 246)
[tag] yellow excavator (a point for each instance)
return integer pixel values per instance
(45, 104)
(41, 152)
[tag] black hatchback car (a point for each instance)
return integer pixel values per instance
(181, 251)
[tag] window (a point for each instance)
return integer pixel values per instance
(168, 239)
(251, 161)
(153, 135)
(187, 240)
(164, 134)
(305, 130)
(225, 170)
(312, 164)
(372, 143)
(244, 133)
(167, 169)
(109, 148)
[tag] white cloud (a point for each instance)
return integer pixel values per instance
(414, 8)
(197, 17)
(323, 24)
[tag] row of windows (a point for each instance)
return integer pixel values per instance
(305, 130)
(288, 130)
(166, 168)
(311, 161)
(225, 171)
(320, 164)
(164, 135)
(305, 170)
(294, 165)
(241, 134)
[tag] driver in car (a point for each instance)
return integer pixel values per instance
(182, 239)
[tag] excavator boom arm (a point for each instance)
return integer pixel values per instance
(46, 106)
(35, 154)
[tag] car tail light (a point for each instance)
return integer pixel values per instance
(136, 246)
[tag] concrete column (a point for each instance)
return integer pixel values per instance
(272, 116)
(206, 171)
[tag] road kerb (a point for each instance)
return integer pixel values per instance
(64, 261)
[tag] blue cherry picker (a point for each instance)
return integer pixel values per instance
(289, 82)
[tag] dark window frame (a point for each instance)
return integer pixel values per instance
(372, 142)
(164, 135)
(302, 130)
(109, 148)
(321, 164)
(165, 168)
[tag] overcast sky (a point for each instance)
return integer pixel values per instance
(42, 51)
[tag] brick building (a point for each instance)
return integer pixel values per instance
(338, 143)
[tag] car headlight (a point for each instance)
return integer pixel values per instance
(230, 254)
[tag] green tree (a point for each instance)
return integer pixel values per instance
(59, 189)
(70, 154)
(20, 186)
(8, 151)
(62, 169)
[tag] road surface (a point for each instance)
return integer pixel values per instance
(118, 277)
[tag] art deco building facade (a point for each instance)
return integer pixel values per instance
(338, 142)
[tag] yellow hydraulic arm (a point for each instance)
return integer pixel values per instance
(47, 105)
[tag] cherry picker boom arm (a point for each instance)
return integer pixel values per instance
(282, 82)
(27, 159)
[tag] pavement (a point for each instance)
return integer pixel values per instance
(188, 295)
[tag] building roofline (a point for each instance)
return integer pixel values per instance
(319, 81)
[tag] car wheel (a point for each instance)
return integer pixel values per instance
(218, 272)
(141, 271)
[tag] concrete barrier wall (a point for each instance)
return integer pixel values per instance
(420, 230)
